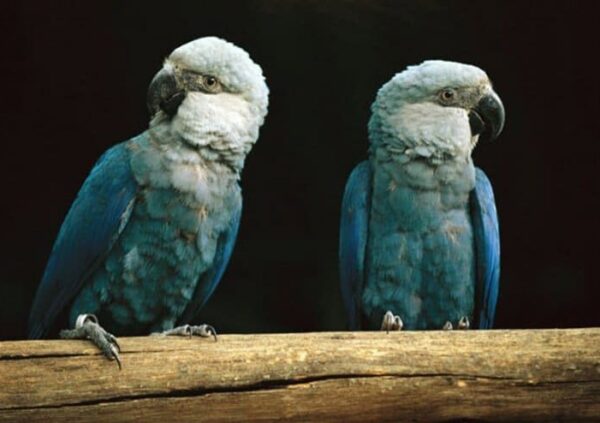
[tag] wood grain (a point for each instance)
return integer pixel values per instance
(525, 375)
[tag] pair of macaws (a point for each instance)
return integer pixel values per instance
(152, 229)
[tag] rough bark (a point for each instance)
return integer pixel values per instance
(524, 375)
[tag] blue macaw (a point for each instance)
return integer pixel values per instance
(152, 229)
(419, 239)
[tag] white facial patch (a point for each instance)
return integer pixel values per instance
(408, 119)
(221, 120)
(429, 130)
(221, 126)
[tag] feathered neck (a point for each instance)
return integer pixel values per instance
(221, 130)
(421, 131)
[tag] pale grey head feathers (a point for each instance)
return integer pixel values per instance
(212, 97)
(436, 109)
(211, 66)
(425, 80)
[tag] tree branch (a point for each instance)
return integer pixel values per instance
(525, 375)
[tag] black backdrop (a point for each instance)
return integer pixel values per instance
(74, 82)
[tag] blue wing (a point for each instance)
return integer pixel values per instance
(353, 239)
(95, 220)
(211, 278)
(487, 250)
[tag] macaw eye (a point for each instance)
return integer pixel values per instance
(447, 95)
(210, 81)
(211, 84)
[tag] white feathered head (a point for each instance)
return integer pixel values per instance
(212, 93)
(436, 110)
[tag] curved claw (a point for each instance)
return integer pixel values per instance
(205, 331)
(87, 327)
(115, 356)
(211, 330)
(391, 322)
(113, 340)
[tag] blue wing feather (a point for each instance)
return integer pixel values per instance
(353, 239)
(484, 219)
(95, 220)
(211, 278)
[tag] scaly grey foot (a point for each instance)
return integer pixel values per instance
(447, 325)
(87, 327)
(203, 331)
(391, 322)
(464, 323)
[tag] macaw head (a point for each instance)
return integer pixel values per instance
(436, 110)
(212, 93)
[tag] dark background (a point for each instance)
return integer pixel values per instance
(74, 79)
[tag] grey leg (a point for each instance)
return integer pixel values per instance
(464, 323)
(203, 331)
(87, 327)
(391, 322)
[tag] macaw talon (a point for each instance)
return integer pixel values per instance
(447, 325)
(464, 323)
(87, 327)
(391, 322)
(204, 331)
(184, 330)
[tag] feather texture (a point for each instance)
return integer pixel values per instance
(484, 219)
(209, 280)
(94, 222)
(426, 247)
(148, 238)
(353, 239)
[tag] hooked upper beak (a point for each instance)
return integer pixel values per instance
(164, 93)
(487, 117)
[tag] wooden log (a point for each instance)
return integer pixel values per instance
(519, 375)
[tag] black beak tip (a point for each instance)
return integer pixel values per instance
(487, 118)
(494, 109)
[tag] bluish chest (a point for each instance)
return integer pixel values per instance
(170, 240)
(420, 249)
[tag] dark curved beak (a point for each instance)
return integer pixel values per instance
(487, 117)
(164, 93)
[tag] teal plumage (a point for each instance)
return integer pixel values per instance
(150, 234)
(419, 231)
(168, 243)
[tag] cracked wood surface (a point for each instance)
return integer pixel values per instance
(525, 375)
